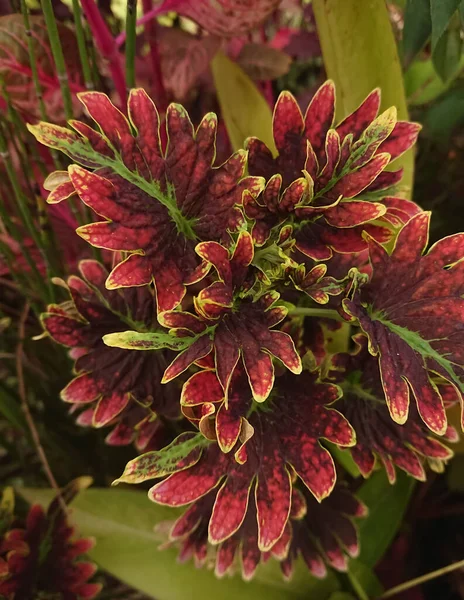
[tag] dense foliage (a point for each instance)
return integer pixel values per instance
(252, 328)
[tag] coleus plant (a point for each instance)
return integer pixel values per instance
(240, 273)
(40, 556)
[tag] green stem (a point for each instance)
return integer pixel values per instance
(24, 212)
(9, 257)
(131, 17)
(93, 59)
(32, 61)
(82, 45)
(22, 280)
(321, 313)
(58, 56)
(419, 580)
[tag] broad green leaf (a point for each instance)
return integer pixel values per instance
(133, 340)
(387, 504)
(448, 50)
(244, 109)
(341, 596)
(423, 84)
(417, 28)
(364, 580)
(360, 54)
(441, 12)
(122, 522)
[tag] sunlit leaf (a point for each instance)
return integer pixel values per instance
(244, 109)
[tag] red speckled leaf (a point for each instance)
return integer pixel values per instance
(81, 390)
(356, 122)
(354, 183)
(315, 285)
(286, 435)
(156, 205)
(108, 408)
(403, 136)
(412, 312)
(243, 328)
(190, 532)
(326, 533)
(273, 495)
(65, 330)
(353, 213)
(319, 117)
(406, 446)
(198, 349)
(271, 207)
(230, 506)
(118, 387)
(341, 162)
(134, 271)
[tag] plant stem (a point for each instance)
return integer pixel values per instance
(25, 407)
(154, 12)
(19, 277)
(106, 45)
(32, 61)
(322, 313)
(21, 201)
(25, 215)
(131, 17)
(82, 45)
(422, 579)
(58, 56)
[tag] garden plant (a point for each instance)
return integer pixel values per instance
(232, 327)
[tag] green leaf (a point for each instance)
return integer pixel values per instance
(122, 522)
(448, 50)
(423, 84)
(417, 28)
(244, 109)
(364, 581)
(360, 54)
(387, 504)
(343, 458)
(185, 449)
(133, 340)
(441, 12)
(341, 596)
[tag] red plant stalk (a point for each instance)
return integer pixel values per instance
(150, 34)
(107, 46)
